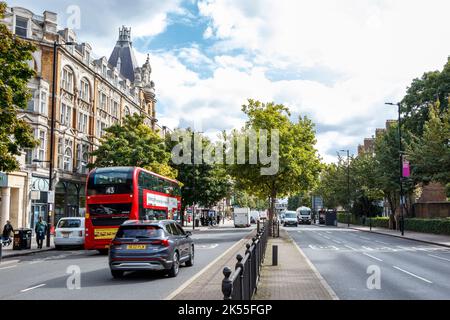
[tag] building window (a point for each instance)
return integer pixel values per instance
(82, 122)
(60, 150)
(66, 115)
(31, 102)
(41, 147)
(126, 111)
(68, 159)
(103, 126)
(103, 101)
(43, 103)
(85, 90)
(29, 156)
(21, 26)
(82, 158)
(67, 80)
(115, 108)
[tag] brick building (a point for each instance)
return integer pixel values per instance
(91, 95)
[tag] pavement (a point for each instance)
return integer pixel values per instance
(294, 277)
(207, 284)
(374, 266)
(437, 239)
(8, 252)
(52, 275)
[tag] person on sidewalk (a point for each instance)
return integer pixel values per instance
(41, 230)
(7, 230)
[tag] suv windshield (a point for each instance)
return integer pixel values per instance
(139, 232)
(290, 215)
(305, 213)
(69, 223)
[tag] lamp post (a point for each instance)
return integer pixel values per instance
(348, 185)
(402, 219)
(50, 217)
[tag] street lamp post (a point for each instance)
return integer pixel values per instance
(348, 185)
(50, 218)
(402, 219)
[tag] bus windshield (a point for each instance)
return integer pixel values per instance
(110, 181)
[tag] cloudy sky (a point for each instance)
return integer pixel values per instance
(336, 61)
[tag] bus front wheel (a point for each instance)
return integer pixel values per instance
(117, 274)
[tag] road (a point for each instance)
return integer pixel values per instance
(44, 275)
(346, 258)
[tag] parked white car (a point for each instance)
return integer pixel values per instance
(69, 232)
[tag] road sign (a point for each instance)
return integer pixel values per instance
(51, 197)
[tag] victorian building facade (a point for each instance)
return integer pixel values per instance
(91, 95)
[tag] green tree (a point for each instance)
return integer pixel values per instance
(387, 170)
(134, 144)
(421, 94)
(203, 183)
(15, 134)
(429, 154)
(298, 161)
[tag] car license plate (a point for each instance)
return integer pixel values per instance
(66, 235)
(136, 247)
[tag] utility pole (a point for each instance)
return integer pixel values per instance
(50, 217)
(348, 185)
(400, 151)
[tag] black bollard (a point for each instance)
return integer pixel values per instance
(274, 255)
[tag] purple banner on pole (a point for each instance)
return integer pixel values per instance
(406, 169)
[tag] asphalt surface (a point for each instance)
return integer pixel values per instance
(347, 258)
(49, 275)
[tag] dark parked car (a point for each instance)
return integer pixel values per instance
(150, 245)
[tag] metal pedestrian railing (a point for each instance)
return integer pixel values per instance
(243, 282)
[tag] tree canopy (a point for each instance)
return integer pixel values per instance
(15, 133)
(134, 144)
(297, 161)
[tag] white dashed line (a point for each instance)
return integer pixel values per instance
(10, 267)
(335, 241)
(366, 254)
(351, 248)
(412, 274)
(437, 257)
(35, 287)
(367, 248)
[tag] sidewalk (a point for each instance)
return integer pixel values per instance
(294, 278)
(440, 240)
(8, 252)
(207, 284)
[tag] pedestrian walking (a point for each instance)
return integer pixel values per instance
(41, 230)
(218, 219)
(7, 230)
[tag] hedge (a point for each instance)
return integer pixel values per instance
(435, 226)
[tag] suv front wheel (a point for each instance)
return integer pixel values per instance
(173, 272)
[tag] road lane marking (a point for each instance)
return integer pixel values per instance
(206, 246)
(367, 248)
(35, 287)
(364, 238)
(328, 238)
(382, 242)
(351, 248)
(412, 274)
(338, 242)
(10, 267)
(366, 254)
(437, 257)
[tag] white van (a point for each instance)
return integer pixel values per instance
(69, 232)
(241, 217)
(304, 215)
(254, 216)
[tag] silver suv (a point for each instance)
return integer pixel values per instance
(150, 245)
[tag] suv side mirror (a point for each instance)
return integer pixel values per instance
(188, 234)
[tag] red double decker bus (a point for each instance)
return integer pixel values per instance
(117, 194)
